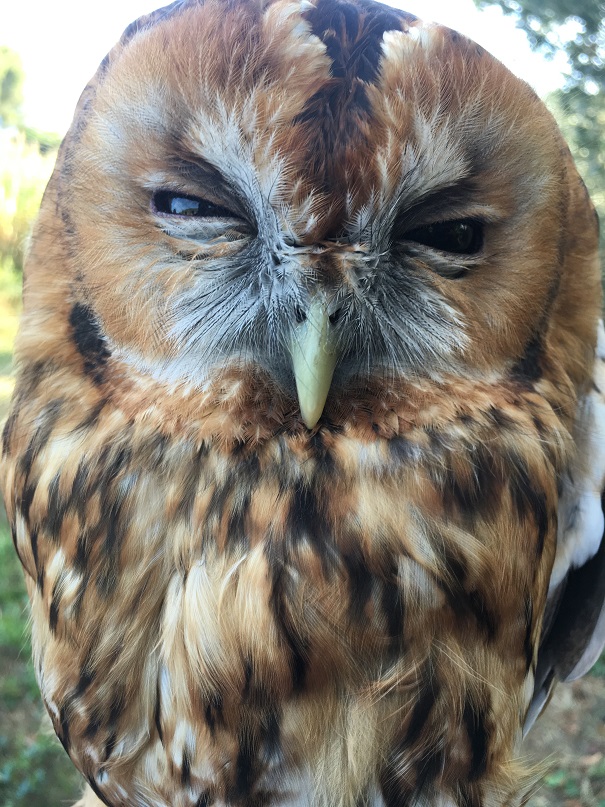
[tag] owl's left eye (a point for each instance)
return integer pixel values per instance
(172, 203)
(460, 237)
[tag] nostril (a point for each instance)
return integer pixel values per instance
(299, 315)
(335, 316)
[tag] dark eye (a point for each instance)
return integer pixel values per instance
(461, 237)
(177, 204)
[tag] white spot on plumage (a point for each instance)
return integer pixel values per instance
(581, 519)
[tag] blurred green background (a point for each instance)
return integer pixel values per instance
(34, 770)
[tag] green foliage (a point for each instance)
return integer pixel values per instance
(11, 87)
(576, 28)
(24, 172)
(47, 142)
(573, 26)
(599, 671)
(581, 118)
(32, 774)
(13, 604)
(564, 781)
(34, 769)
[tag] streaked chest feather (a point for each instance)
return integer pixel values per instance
(269, 614)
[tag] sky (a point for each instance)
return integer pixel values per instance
(62, 42)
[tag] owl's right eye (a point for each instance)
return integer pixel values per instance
(172, 203)
(459, 237)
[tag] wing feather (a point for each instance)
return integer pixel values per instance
(573, 633)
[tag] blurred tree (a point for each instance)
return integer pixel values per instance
(11, 87)
(26, 160)
(576, 28)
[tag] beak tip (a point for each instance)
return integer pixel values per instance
(310, 422)
(310, 410)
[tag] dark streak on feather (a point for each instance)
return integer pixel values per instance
(91, 419)
(475, 717)
(47, 419)
(27, 497)
(82, 552)
(421, 711)
(95, 721)
(186, 767)
(110, 744)
(29, 380)
(157, 711)
(392, 607)
(86, 678)
(528, 646)
(470, 795)
(7, 431)
(189, 487)
(429, 769)
(53, 611)
(229, 499)
(95, 789)
(214, 712)
(297, 647)
(79, 494)
(529, 367)
(244, 769)
(359, 581)
(485, 617)
(89, 341)
(272, 735)
(240, 504)
(402, 449)
(528, 501)
(79, 598)
(56, 509)
(352, 34)
(321, 453)
(63, 734)
(477, 495)
(307, 518)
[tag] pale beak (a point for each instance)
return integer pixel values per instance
(314, 357)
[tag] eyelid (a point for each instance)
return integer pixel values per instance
(443, 206)
(448, 265)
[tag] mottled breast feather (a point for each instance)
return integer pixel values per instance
(304, 460)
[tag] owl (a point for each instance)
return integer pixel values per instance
(305, 456)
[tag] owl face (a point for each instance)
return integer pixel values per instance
(332, 200)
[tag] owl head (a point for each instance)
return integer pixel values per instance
(311, 202)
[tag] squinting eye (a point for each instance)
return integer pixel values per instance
(461, 237)
(177, 204)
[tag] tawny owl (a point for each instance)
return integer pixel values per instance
(305, 457)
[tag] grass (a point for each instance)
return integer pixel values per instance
(34, 769)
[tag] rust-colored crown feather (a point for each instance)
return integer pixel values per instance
(304, 459)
